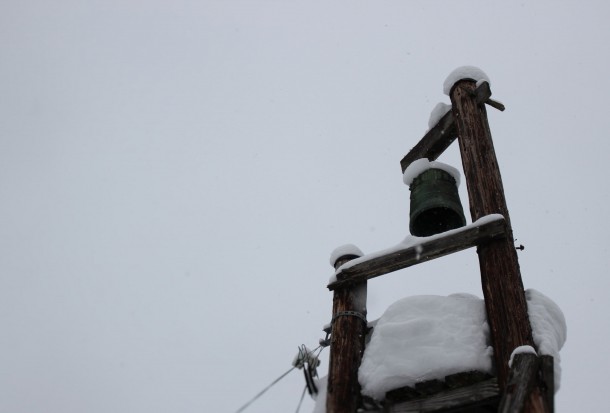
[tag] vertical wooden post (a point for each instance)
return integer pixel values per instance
(346, 345)
(521, 393)
(500, 274)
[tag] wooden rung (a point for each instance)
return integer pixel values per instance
(374, 265)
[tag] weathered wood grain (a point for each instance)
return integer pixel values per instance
(500, 274)
(346, 346)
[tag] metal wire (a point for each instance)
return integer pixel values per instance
(241, 409)
(301, 401)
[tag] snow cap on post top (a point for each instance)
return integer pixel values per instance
(347, 250)
(521, 350)
(461, 73)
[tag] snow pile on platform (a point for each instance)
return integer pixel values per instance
(429, 337)
(425, 337)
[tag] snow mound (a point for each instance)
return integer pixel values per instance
(422, 165)
(425, 337)
(422, 338)
(464, 72)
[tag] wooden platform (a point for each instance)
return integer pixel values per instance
(467, 392)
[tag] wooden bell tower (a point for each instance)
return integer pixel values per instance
(528, 385)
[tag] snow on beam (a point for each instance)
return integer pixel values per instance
(434, 142)
(419, 250)
(442, 135)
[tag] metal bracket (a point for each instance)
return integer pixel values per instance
(349, 313)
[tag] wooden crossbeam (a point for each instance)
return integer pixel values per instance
(434, 142)
(470, 398)
(436, 246)
(442, 135)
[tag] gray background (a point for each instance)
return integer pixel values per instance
(174, 176)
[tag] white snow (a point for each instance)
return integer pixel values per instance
(548, 327)
(343, 250)
(421, 165)
(320, 406)
(425, 337)
(429, 337)
(487, 219)
(521, 350)
(437, 113)
(464, 72)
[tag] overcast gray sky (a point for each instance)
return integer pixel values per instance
(174, 176)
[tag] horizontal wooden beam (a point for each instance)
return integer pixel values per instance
(434, 142)
(442, 135)
(394, 259)
(485, 393)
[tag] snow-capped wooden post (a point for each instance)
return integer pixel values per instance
(527, 390)
(348, 331)
(500, 274)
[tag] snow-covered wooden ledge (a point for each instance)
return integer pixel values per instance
(415, 250)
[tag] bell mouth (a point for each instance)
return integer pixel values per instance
(435, 221)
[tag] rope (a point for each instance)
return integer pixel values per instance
(242, 408)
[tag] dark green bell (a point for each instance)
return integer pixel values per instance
(435, 204)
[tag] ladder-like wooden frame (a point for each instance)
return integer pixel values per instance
(527, 386)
